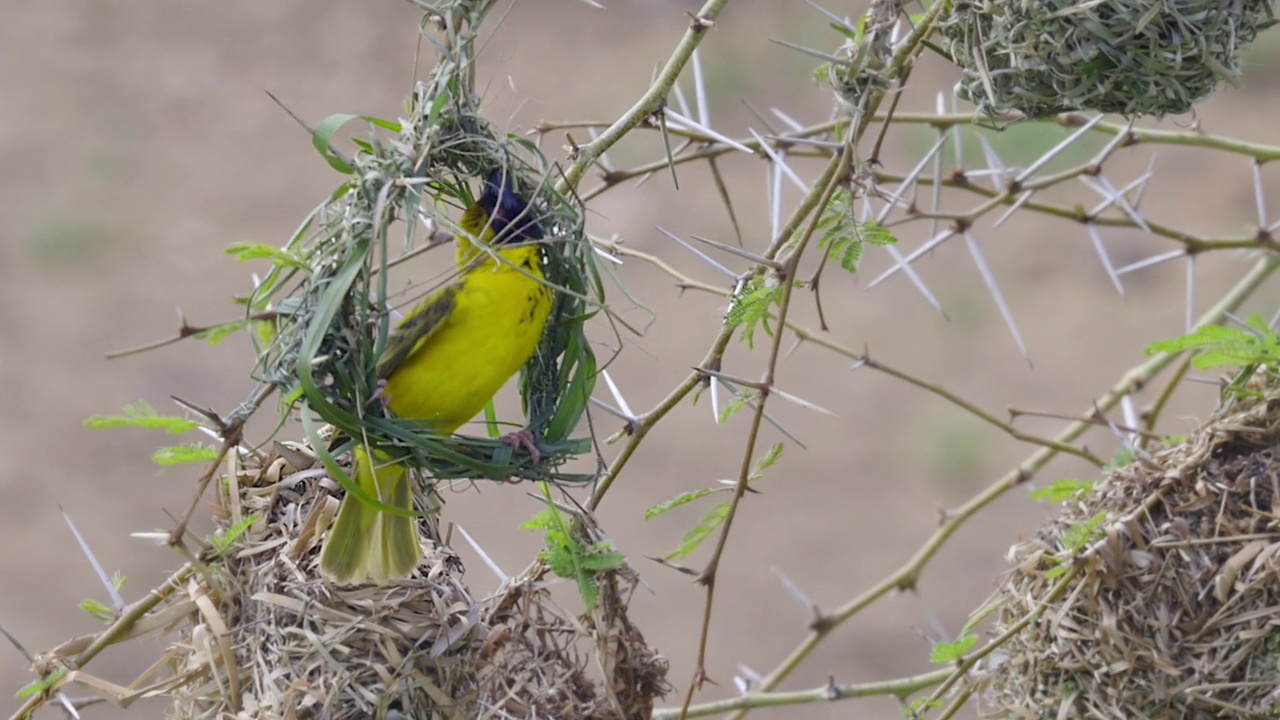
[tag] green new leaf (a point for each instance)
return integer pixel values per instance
(99, 611)
(1123, 457)
(843, 237)
(981, 614)
(323, 134)
(176, 454)
(278, 256)
(683, 498)
(43, 685)
(1226, 346)
(766, 461)
(218, 333)
(142, 415)
(944, 653)
(750, 306)
(740, 400)
(569, 557)
(222, 540)
(1080, 534)
(322, 139)
(602, 556)
(763, 463)
(390, 125)
(701, 532)
(1063, 490)
(921, 704)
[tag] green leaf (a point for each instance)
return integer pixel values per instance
(1063, 490)
(847, 32)
(750, 306)
(292, 397)
(1080, 534)
(762, 463)
(391, 125)
(740, 400)
(437, 108)
(255, 251)
(603, 556)
(176, 454)
(101, 612)
(843, 237)
(920, 705)
(1226, 346)
(218, 333)
(877, 234)
(569, 557)
(944, 653)
(683, 498)
(223, 539)
(142, 415)
(322, 139)
(706, 526)
(981, 614)
(1123, 457)
(43, 685)
(765, 462)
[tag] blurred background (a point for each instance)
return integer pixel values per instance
(137, 141)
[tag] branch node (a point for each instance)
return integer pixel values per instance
(699, 23)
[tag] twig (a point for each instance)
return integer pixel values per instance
(906, 575)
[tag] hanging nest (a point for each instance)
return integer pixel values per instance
(260, 635)
(537, 662)
(1134, 57)
(1170, 606)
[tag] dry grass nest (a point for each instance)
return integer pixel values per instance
(1135, 57)
(264, 637)
(1170, 606)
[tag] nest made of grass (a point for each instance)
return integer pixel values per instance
(264, 637)
(1135, 57)
(1175, 609)
(325, 308)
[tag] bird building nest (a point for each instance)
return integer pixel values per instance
(1170, 607)
(260, 635)
(1134, 57)
(326, 306)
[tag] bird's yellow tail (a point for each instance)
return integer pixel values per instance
(367, 544)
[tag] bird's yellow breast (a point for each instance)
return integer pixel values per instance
(499, 314)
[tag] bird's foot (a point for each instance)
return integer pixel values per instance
(380, 394)
(523, 439)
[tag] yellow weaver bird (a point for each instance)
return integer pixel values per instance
(442, 364)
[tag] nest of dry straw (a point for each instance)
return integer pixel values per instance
(264, 637)
(1171, 609)
(1135, 57)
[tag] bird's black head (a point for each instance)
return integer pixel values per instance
(509, 214)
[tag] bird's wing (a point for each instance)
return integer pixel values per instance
(417, 329)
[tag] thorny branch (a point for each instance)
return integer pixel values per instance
(782, 258)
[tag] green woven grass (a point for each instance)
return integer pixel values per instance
(1133, 57)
